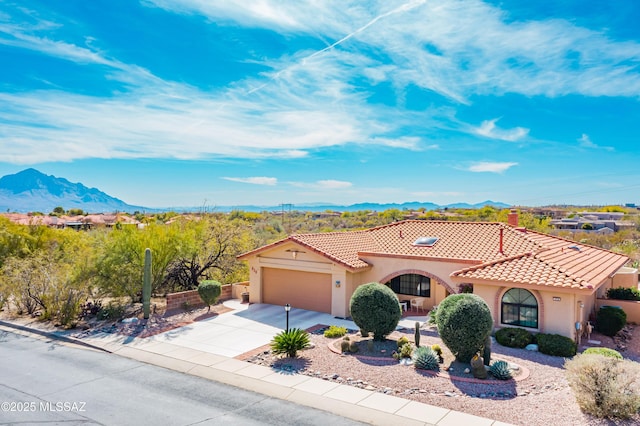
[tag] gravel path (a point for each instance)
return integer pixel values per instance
(543, 398)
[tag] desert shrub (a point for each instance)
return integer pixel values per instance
(112, 311)
(513, 337)
(604, 352)
(375, 308)
(623, 293)
(335, 331)
(610, 320)
(556, 345)
(464, 322)
(290, 342)
(209, 291)
(605, 386)
(426, 358)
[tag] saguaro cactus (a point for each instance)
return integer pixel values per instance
(417, 334)
(146, 286)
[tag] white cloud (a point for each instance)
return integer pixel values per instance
(323, 184)
(491, 167)
(257, 180)
(489, 129)
(585, 142)
(333, 184)
(309, 101)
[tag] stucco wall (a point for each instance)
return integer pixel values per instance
(387, 267)
(630, 307)
(557, 312)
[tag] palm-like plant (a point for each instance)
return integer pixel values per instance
(290, 342)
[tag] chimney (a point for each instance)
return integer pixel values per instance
(512, 218)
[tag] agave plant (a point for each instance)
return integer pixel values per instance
(425, 358)
(290, 342)
(500, 370)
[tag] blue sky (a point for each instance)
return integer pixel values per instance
(167, 103)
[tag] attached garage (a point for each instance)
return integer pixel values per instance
(303, 290)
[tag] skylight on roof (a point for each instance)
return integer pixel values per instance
(425, 241)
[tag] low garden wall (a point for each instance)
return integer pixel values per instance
(192, 299)
(630, 307)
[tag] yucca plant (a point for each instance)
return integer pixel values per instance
(290, 342)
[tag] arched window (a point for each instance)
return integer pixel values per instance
(411, 284)
(520, 307)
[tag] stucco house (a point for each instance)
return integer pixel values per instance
(528, 279)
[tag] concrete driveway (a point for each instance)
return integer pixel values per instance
(249, 327)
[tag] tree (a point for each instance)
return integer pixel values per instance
(209, 292)
(210, 252)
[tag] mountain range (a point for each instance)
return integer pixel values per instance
(31, 191)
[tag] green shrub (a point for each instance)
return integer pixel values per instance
(604, 352)
(290, 342)
(514, 337)
(464, 322)
(610, 320)
(209, 292)
(623, 293)
(335, 331)
(425, 358)
(556, 345)
(375, 308)
(605, 386)
(113, 311)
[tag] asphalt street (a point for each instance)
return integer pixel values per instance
(46, 381)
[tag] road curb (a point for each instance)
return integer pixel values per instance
(52, 335)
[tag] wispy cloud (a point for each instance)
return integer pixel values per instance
(586, 142)
(323, 184)
(256, 180)
(491, 167)
(310, 100)
(489, 129)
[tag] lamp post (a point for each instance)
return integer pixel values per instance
(287, 308)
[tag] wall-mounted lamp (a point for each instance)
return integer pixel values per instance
(294, 252)
(581, 304)
(337, 283)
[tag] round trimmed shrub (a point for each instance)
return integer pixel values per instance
(375, 309)
(611, 353)
(610, 320)
(514, 337)
(209, 291)
(556, 345)
(464, 322)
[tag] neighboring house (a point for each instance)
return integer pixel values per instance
(596, 222)
(528, 279)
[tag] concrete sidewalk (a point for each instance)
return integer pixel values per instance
(358, 404)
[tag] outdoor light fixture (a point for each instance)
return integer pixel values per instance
(294, 252)
(287, 308)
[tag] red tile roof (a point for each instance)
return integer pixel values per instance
(527, 257)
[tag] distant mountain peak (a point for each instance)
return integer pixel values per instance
(32, 190)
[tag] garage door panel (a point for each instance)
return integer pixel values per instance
(303, 290)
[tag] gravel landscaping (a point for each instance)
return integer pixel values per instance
(541, 398)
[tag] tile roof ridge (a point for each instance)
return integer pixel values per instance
(422, 221)
(572, 242)
(494, 262)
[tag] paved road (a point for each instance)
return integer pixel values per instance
(45, 381)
